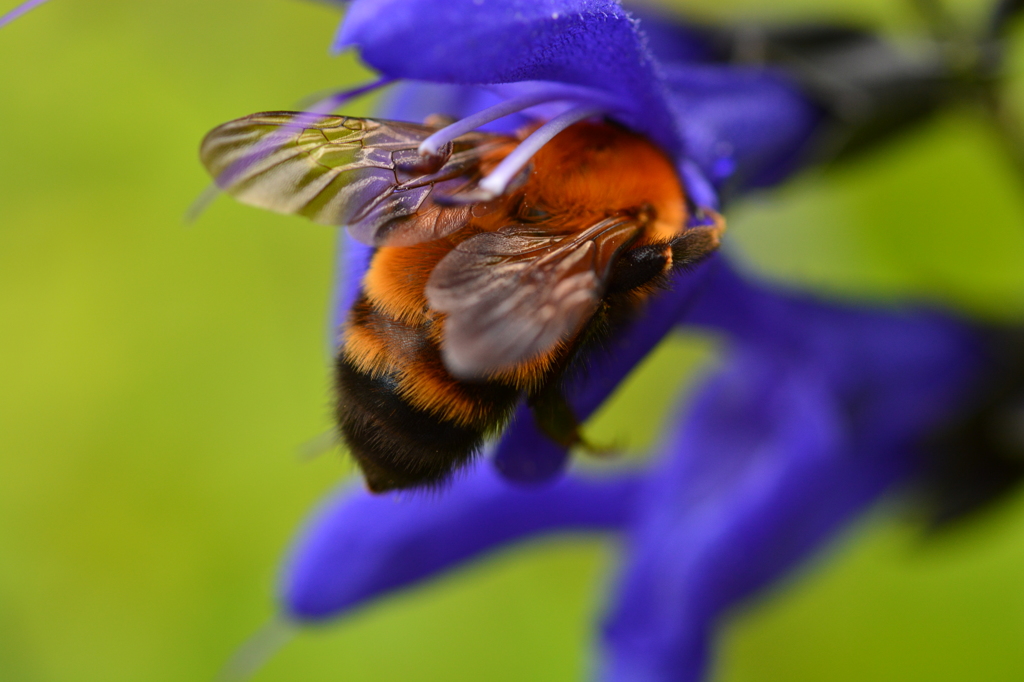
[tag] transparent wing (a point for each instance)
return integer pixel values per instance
(515, 294)
(365, 174)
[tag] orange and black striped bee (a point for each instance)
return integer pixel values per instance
(471, 301)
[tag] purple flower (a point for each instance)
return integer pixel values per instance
(818, 410)
(725, 127)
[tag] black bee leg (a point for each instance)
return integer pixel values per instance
(639, 267)
(697, 243)
(647, 264)
(556, 419)
(554, 415)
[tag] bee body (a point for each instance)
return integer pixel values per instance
(468, 305)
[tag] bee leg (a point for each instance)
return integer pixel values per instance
(557, 420)
(600, 451)
(697, 243)
(648, 264)
(639, 267)
(554, 415)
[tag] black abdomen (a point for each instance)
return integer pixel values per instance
(396, 443)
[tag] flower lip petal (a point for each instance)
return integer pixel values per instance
(361, 545)
(759, 476)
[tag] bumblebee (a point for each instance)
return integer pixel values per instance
(472, 300)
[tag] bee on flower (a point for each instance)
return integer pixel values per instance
(538, 209)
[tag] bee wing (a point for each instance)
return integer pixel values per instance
(365, 174)
(514, 294)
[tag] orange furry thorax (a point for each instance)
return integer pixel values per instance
(595, 169)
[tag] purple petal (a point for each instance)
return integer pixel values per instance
(359, 546)
(592, 43)
(525, 454)
(744, 127)
(759, 476)
(914, 363)
(819, 411)
(672, 38)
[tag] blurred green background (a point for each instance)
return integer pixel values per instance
(157, 382)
